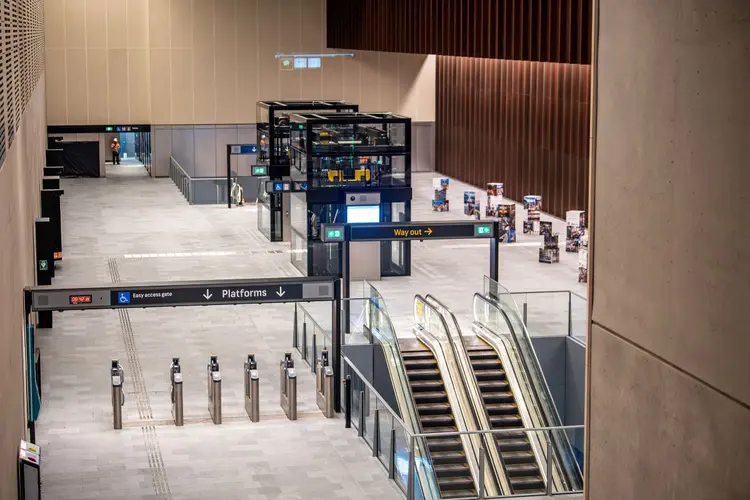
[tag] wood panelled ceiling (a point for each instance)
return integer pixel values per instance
(527, 30)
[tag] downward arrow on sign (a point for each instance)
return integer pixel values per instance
(207, 295)
(281, 292)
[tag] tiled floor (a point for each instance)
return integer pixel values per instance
(128, 227)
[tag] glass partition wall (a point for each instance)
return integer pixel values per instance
(272, 126)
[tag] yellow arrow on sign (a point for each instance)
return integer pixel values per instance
(428, 231)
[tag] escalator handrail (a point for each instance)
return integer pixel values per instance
(413, 418)
(461, 378)
(574, 479)
(484, 409)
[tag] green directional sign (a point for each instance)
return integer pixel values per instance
(334, 234)
(483, 230)
(43, 265)
(260, 171)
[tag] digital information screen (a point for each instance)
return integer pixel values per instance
(362, 214)
(80, 299)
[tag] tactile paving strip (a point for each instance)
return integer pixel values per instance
(143, 402)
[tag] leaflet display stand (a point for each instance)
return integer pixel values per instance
(471, 205)
(533, 205)
(550, 251)
(440, 202)
(583, 259)
(576, 226)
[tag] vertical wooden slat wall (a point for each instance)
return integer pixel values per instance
(518, 122)
(513, 80)
(525, 30)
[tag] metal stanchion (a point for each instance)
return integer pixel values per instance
(348, 402)
(376, 434)
(480, 479)
(361, 430)
(213, 376)
(252, 397)
(392, 457)
(410, 480)
(549, 462)
(288, 390)
(175, 377)
(324, 384)
(117, 375)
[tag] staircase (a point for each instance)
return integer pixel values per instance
(447, 455)
(502, 410)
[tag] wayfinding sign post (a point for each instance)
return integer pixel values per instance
(197, 293)
(234, 150)
(344, 234)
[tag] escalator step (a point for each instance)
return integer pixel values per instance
(513, 445)
(420, 363)
(426, 385)
(443, 444)
(482, 354)
(429, 396)
(437, 421)
(456, 483)
(518, 457)
(422, 354)
(433, 408)
(443, 428)
(502, 408)
(505, 421)
(490, 397)
(523, 470)
(458, 494)
(426, 374)
(452, 470)
(526, 483)
(486, 364)
(448, 457)
(494, 385)
(494, 375)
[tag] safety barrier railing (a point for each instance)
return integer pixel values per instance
(212, 190)
(497, 312)
(552, 312)
(400, 451)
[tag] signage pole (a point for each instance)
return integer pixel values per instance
(336, 341)
(229, 176)
(346, 279)
(495, 254)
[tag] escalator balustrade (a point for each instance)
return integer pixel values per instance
(447, 455)
(503, 413)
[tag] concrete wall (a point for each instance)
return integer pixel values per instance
(669, 407)
(20, 182)
(209, 61)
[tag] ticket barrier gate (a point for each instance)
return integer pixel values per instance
(175, 378)
(117, 375)
(288, 386)
(252, 393)
(213, 376)
(324, 384)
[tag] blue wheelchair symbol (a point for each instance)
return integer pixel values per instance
(123, 297)
(278, 186)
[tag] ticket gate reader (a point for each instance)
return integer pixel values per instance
(213, 376)
(117, 375)
(175, 378)
(324, 384)
(252, 393)
(288, 376)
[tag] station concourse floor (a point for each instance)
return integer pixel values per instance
(131, 228)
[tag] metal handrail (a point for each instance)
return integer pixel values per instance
(466, 383)
(527, 371)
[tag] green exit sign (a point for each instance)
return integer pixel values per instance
(483, 230)
(109, 129)
(334, 234)
(260, 171)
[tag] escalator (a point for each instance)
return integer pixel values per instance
(515, 449)
(447, 455)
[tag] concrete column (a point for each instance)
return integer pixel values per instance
(668, 412)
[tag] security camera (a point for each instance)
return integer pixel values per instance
(352, 198)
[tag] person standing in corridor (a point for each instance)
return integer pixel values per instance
(115, 151)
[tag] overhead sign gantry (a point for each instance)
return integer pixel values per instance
(344, 234)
